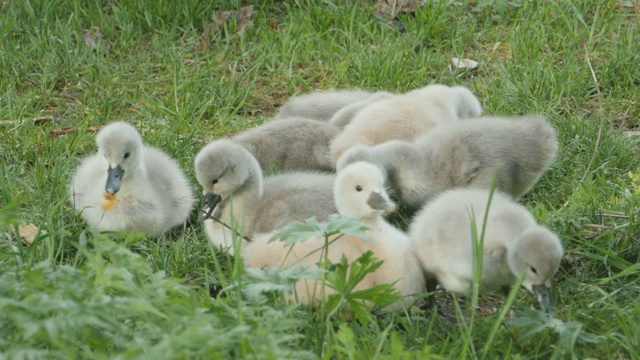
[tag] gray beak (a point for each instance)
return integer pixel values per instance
(114, 179)
(544, 296)
(378, 202)
(209, 203)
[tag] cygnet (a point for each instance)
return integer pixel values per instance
(359, 192)
(320, 105)
(406, 116)
(514, 244)
(237, 195)
(128, 186)
(465, 154)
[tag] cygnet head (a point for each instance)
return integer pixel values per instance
(359, 191)
(121, 147)
(537, 253)
(222, 168)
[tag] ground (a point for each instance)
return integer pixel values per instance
(69, 67)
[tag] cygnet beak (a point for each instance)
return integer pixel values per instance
(378, 202)
(544, 296)
(209, 203)
(114, 179)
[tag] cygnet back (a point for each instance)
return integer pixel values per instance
(320, 105)
(344, 116)
(292, 144)
(292, 197)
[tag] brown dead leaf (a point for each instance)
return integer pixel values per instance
(204, 45)
(241, 17)
(92, 37)
(27, 232)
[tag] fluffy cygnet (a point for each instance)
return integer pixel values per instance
(465, 154)
(320, 105)
(514, 244)
(344, 116)
(406, 116)
(128, 186)
(291, 144)
(359, 192)
(236, 194)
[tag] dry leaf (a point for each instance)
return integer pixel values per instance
(242, 19)
(92, 37)
(204, 45)
(27, 232)
(464, 63)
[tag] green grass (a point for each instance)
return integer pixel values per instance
(73, 294)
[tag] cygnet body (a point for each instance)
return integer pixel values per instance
(359, 192)
(292, 144)
(320, 105)
(514, 244)
(465, 154)
(236, 194)
(406, 116)
(128, 186)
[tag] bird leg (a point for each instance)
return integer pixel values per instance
(431, 285)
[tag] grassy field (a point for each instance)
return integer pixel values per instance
(159, 65)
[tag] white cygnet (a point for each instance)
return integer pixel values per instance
(128, 186)
(464, 154)
(359, 192)
(514, 244)
(237, 195)
(406, 116)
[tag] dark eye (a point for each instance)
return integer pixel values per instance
(534, 270)
(126, 155)
(214, 181)
(358, 188)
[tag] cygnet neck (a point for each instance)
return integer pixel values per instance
(253, 186)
